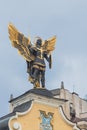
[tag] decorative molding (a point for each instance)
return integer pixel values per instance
(17, 125)
(66, 120)
(38, 98)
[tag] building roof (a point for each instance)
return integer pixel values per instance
(4, 121)
(55, 92)
(39, 91)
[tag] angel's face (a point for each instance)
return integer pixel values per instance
(39, 43)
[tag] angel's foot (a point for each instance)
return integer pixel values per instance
(31, 80)
(36, 84)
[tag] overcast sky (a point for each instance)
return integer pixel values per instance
(67, 19)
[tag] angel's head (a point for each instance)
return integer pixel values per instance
(38, 41)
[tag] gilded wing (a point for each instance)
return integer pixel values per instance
(49, 45)
(20, 42)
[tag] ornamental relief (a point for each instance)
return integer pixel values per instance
(46, 121)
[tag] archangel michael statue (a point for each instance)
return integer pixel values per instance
(34, 54)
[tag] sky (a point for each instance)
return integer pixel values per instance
(67, 19)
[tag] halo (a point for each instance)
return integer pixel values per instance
(36, 38)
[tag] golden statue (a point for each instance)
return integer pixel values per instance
(34, 54)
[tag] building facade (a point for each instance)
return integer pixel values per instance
(42, 109)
